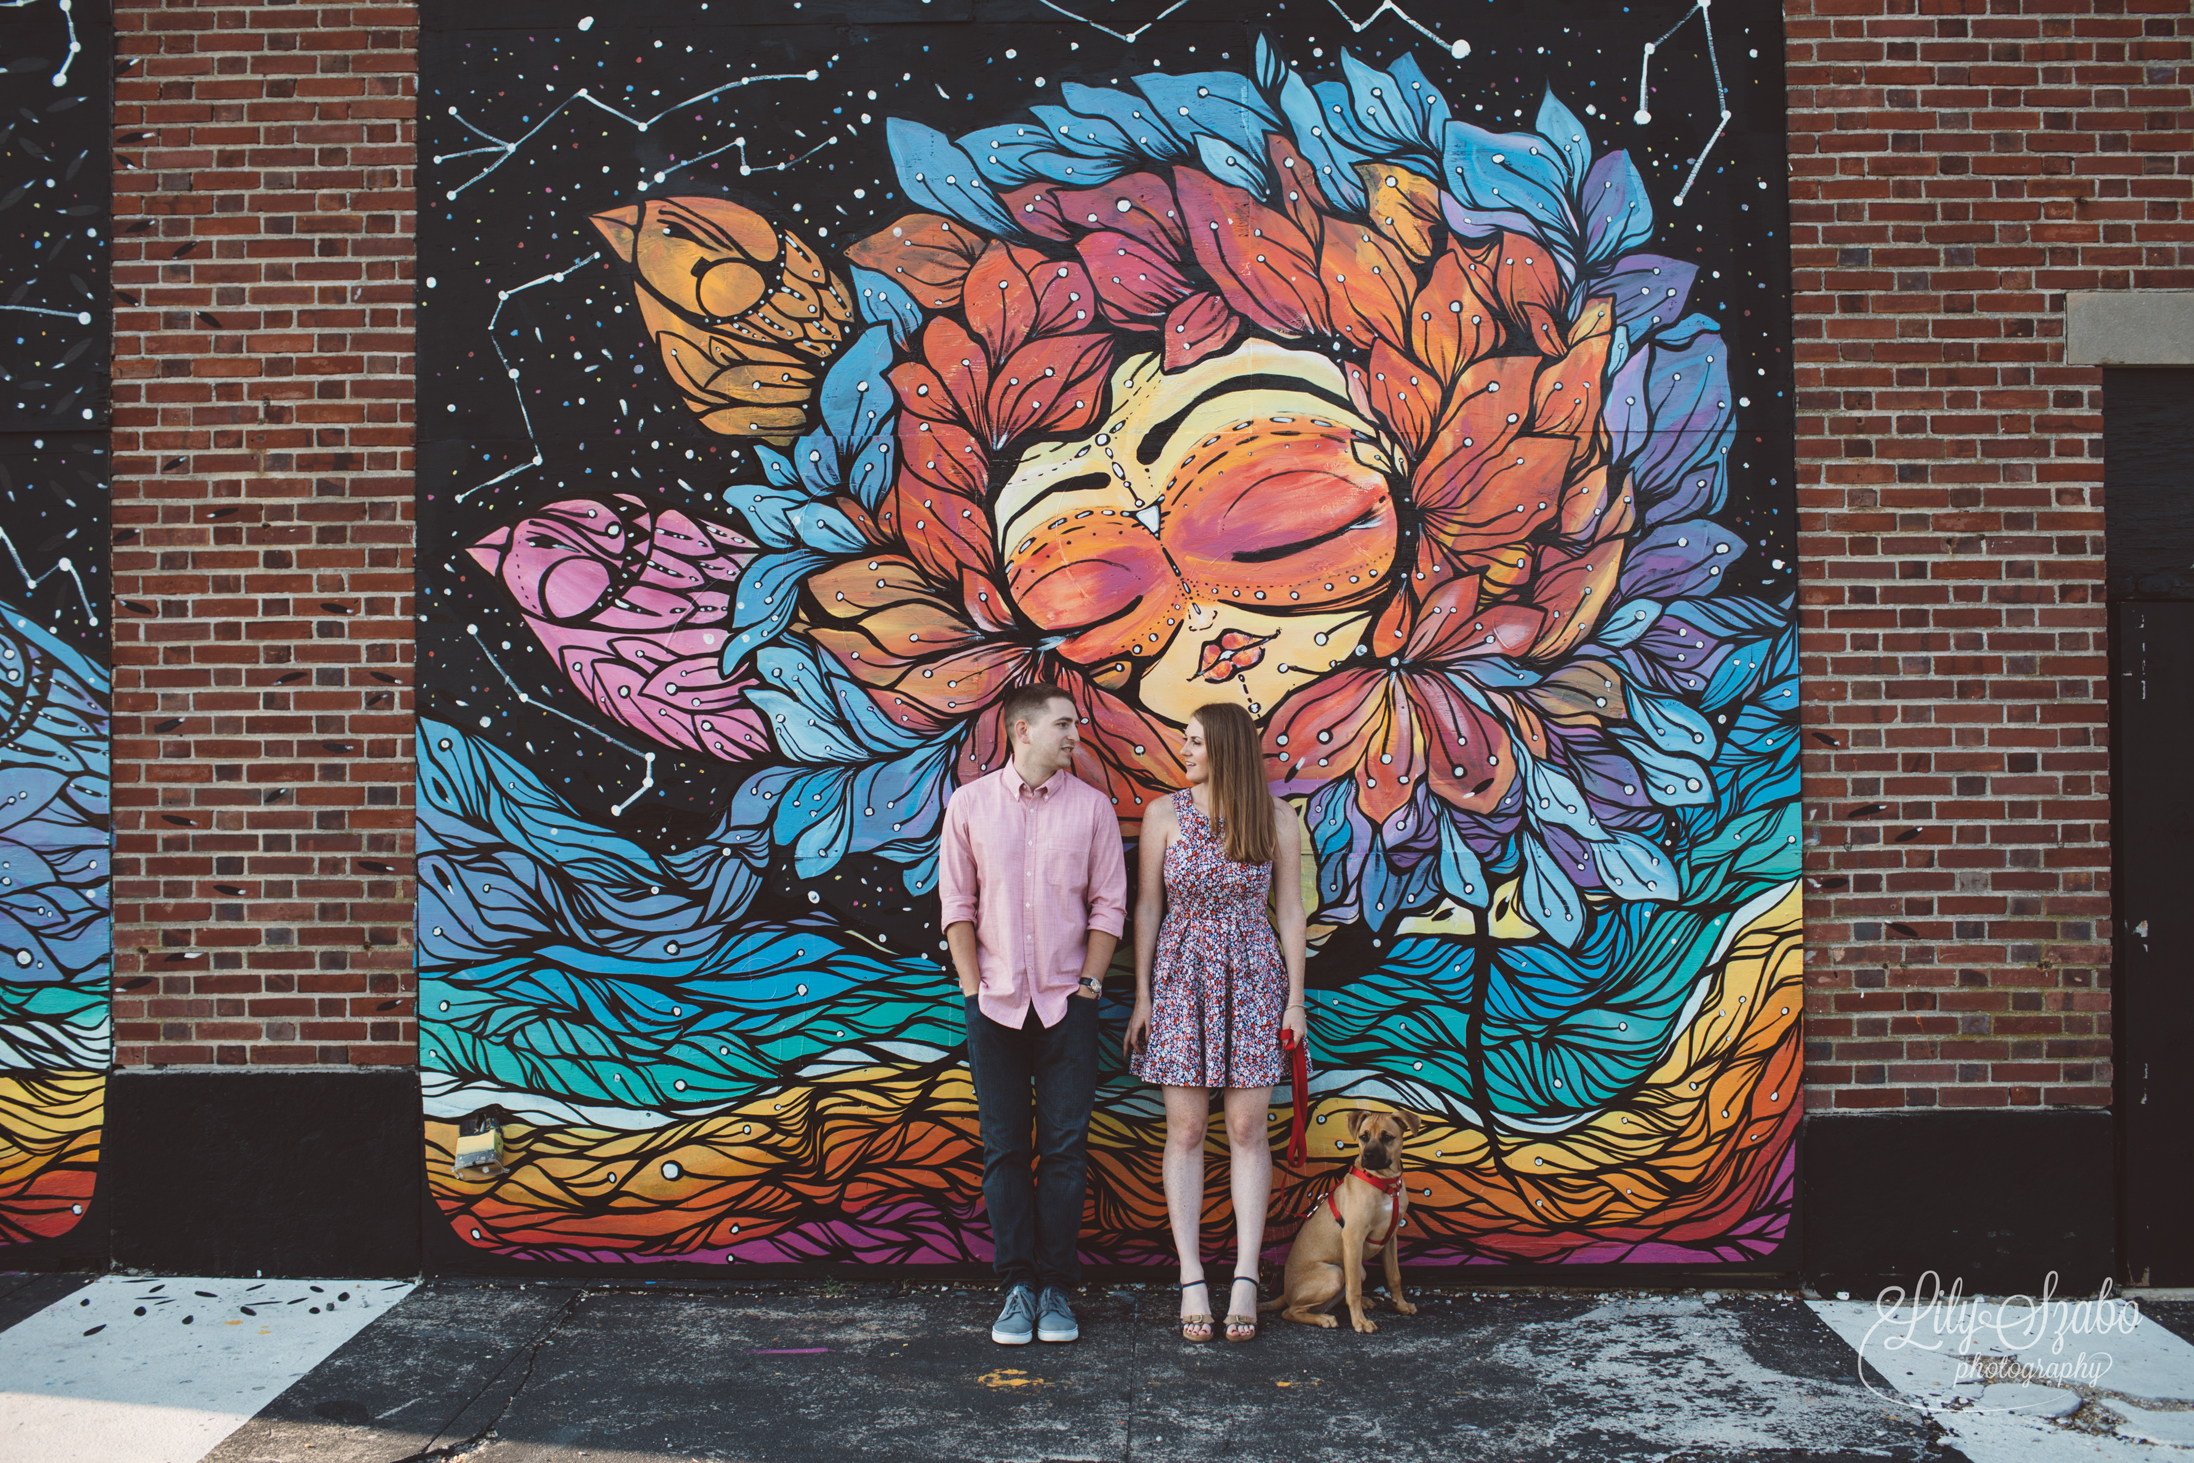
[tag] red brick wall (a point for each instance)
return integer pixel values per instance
(1956, 168)
(263, 533)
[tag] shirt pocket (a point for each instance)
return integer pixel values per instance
(1062, 873)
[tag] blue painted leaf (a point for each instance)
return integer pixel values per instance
(1553, 797)
(883, 302)
(1146, 131)
(767, 510)
(935, 174)
(1270, 71)
(1222, 103)
(1520, 173)
(1618, 212)
(1634, 868)
(1679, 559)
(764, 599)
(1547, 898)
(1560, 126)
(1230, 164)
(1671, 725)
(777, 467)
(1332, 160)
(1671, 781)
(1462, 874)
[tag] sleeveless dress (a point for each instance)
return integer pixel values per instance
(1218, 984)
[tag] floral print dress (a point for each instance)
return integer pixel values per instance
(1218, 980)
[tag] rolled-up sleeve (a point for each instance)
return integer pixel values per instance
(956, 884)
(1107, 875)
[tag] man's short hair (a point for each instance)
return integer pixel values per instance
(1026, 703)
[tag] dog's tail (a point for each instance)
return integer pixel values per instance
(1271, 1305)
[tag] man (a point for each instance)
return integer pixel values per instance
(1034, 883)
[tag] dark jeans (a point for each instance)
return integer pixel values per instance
(1041, 1079)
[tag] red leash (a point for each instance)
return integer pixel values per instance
(1298, 1146)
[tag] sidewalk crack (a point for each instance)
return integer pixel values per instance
(525, 1377)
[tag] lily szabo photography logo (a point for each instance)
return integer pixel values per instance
(1969, 1347)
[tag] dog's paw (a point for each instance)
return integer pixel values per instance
(1371, 1303)
(1405, 1307)
(1366, 1325)
(1322, 1319)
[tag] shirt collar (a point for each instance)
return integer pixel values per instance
(1021, 789)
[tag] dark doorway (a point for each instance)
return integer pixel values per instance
(2148, 496)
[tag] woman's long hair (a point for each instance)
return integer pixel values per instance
(1240, 798)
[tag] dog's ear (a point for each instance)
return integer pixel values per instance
(1355, 1119)
(1411, 1125)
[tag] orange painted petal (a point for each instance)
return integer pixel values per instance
(1301, 194)
(1368, 284)
(999, 302)
(1403, 205)
(928, 255)
(1529, 288)
(1055, 385)
(1198, 326)
(1567, 398)
(1320, 731)
(1260, 262)
(1445, 620)
(1486, 411)
(961, 366)
(1468, 760)
(1573, 591)
(1394, 389)
(935, 506)
(1126, 753)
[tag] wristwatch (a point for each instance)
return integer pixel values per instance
(1091, 986)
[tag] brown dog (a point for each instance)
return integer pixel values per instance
(1359, 1216)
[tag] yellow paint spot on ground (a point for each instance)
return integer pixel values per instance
(1010, 1377)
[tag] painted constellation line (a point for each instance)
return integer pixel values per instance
(502, 298)
(1721, 93)
(1459, 49)
(64, 566)
(81, 317)
(746, 169)
(647, 759)
(68, 17)
(1128, 36)
(508, 149)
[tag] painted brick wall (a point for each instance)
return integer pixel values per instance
(262, 412)
(1956, 168)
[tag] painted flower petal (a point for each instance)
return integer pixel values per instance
(1049, 386)
(1404, 205)
(1368, 285)
(1136, 280)
(1262, 264)
(1200, 325)
(1397, 391)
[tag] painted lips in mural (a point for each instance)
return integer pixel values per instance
(1308, 394)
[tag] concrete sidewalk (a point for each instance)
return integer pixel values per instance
(638, 1373)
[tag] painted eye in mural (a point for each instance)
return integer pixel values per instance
(745, 314)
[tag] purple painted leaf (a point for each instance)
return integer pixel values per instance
(1679, 559)
(1650, 291)
(1670, 411)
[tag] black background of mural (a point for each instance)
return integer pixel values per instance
(56, 242)
(526, 218)
(56, 211)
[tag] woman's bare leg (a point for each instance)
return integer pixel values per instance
(1249, 1155)
(1188, 1111)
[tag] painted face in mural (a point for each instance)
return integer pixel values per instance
(1292, 386)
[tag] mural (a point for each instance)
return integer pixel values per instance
(55, 942)
(783, 406)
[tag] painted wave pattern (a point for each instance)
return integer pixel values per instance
(55, 943)
(1586, 963)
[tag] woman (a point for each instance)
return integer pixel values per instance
(1215, 985)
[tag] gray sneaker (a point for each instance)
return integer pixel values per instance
(1016, 1324)
(1054, 1317)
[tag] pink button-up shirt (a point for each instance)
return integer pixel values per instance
(1034, 870)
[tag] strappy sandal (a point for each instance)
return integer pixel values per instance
(1201, 1323)
(1246, 1323)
